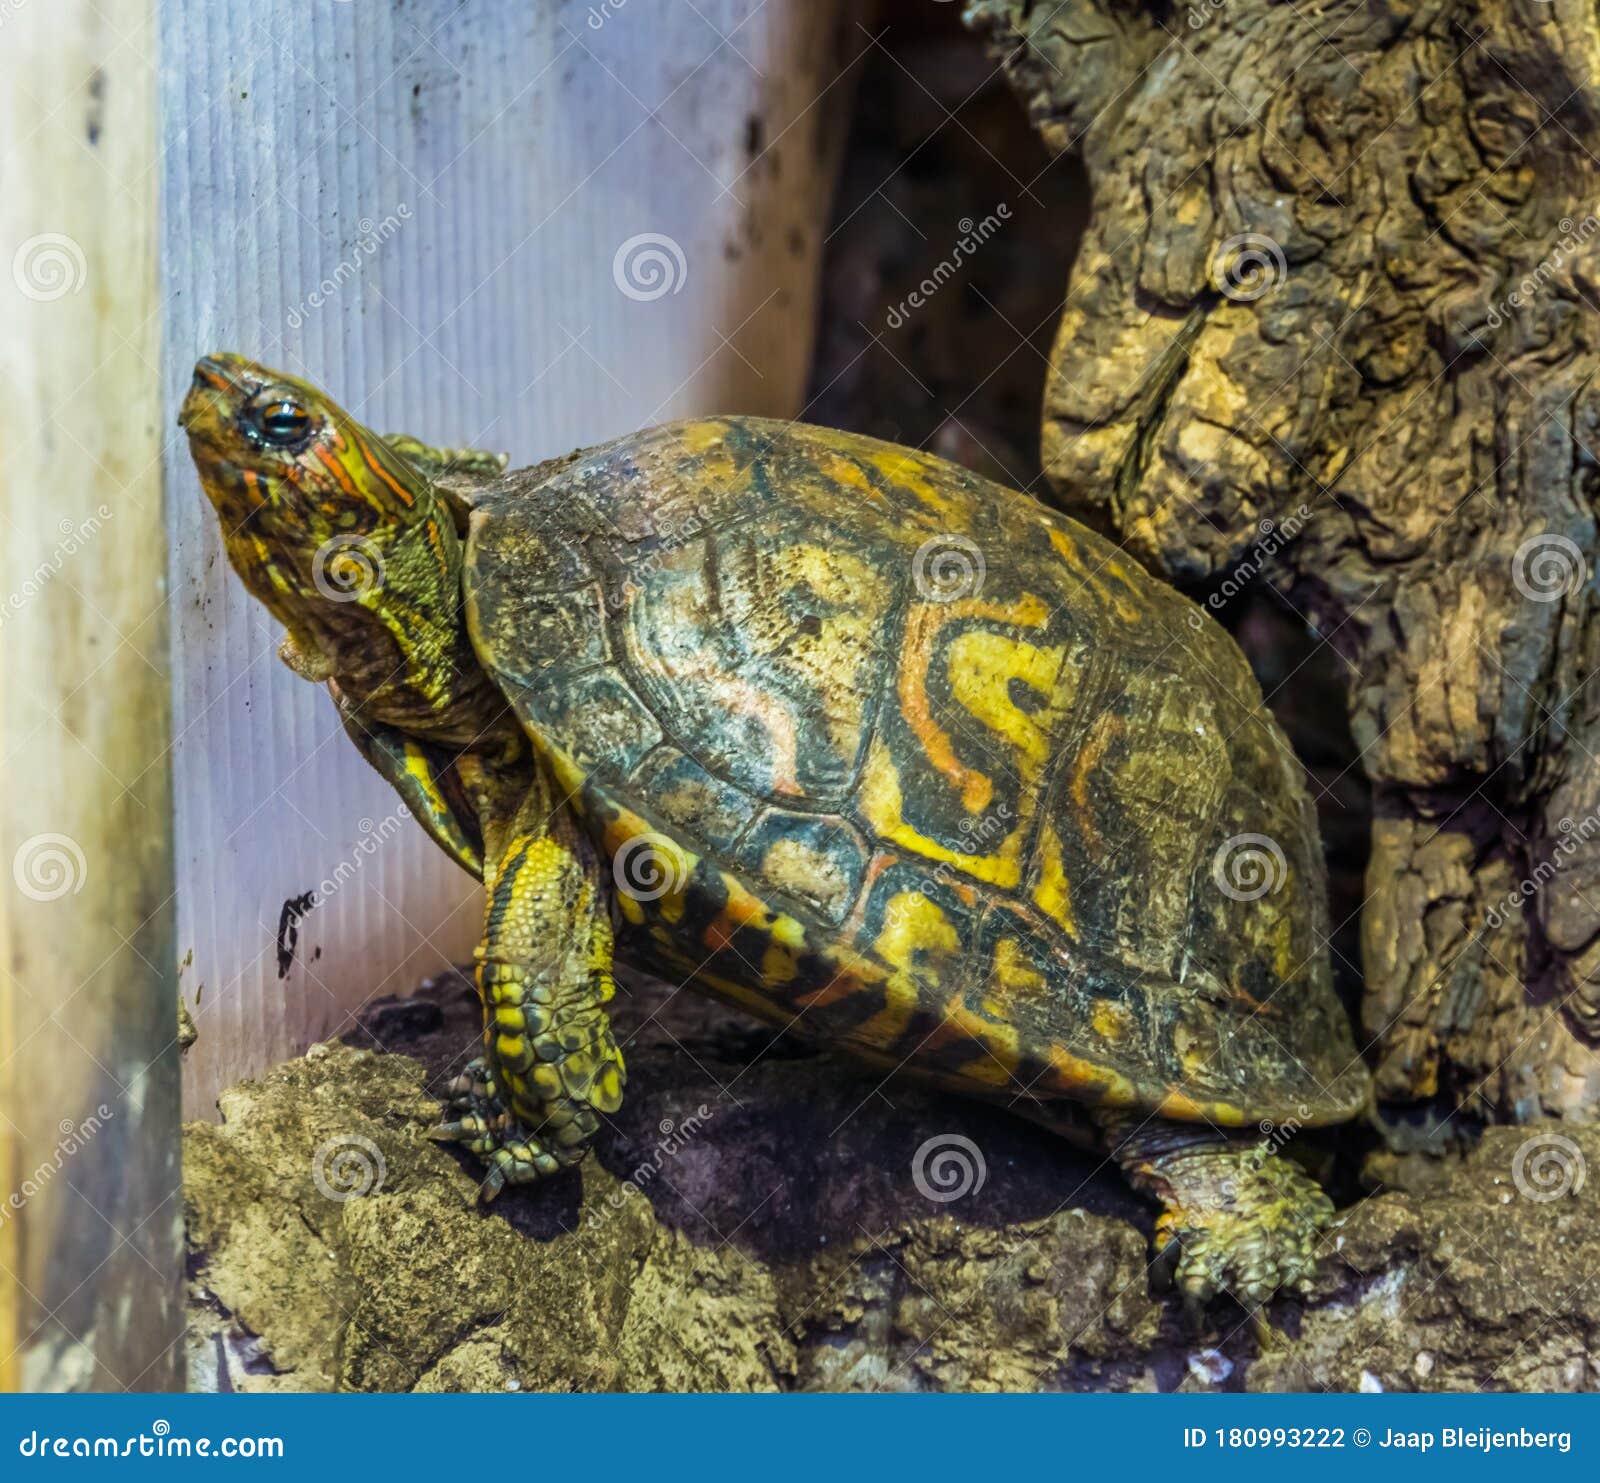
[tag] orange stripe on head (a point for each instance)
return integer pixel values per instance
(372, 461)
(330, 461)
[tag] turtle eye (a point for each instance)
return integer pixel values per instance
(279, 419)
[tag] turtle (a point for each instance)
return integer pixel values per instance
(888, 755)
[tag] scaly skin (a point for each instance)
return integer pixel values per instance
(341, 534)
(829, 730)
(1241, 1219)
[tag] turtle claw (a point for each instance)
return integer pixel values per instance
(483, 1126)
(1251, 1234)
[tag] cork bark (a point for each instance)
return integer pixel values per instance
(758, 1217)
(1333, 327)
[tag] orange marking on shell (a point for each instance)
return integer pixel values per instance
(843, 985)
(719, 932)
(923, 625)
(1094, 748)
(762, 706)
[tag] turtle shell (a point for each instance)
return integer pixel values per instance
(906, 763)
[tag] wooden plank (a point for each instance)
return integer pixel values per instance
(91, 1212)
(522, 226)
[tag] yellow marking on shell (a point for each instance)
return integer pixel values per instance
(1001, 1042)
(846, 474)
(1070, 552)
(923, 625)
(1053, 892)
(881, 802)
(912, 473)
(845, 646)
(1013, 979)
(1097, 1084)
(799, 869)
(568, 774)
(780, 963)
(1113, 1021)
(916, 937)
(701, 437)
(983, 665)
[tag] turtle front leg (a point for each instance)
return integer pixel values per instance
(1243, 1220)
(551, 1067)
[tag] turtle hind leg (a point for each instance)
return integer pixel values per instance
(1236, 1217)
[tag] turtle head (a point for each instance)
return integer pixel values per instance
(309, 499)
(343, 540)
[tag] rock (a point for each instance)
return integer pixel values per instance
(755, 1219)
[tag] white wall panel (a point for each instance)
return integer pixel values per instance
(419, 204)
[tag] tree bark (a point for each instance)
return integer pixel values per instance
(1340, 286)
